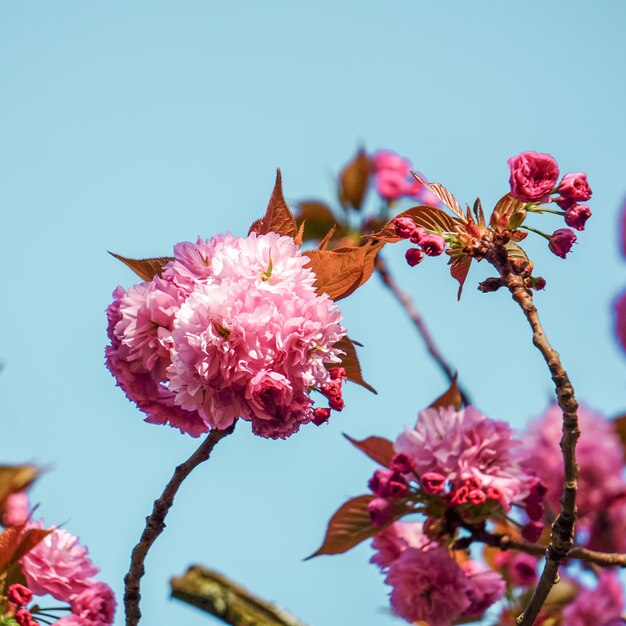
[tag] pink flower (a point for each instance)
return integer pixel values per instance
(533, 176)
(95, 606)
(392, 176)
(19, 594)
(465, 444)
(404, 227)
(433, 245)
(380, 511)
(599, 606)
(388, 484)
(16, 509)
(598, 451)
(58, 565)
(427, 585)
(521, 568)
(253, 340)
(574, 187)
(561, 241)
(619, 313)
(390, 542)
(413, 256)
(531, 531)
(486, 588)
(390, 161)
(577, 215)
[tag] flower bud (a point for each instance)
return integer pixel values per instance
(535, 509)
(19, 594)
(577, 215)
(575, 187)
(380, 511)
(561, 241)
(413, 256)
(531, 531)
(477, 496)
(433, 245)
(320, 415)
(433, 483)
(337, 373)
(402, 463)
(404, 227)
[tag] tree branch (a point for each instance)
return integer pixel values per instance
(418, 322)
(562, 537)
(155, 523)
(224, 599)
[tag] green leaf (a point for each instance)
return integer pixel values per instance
(350, 362)
(378, 449)
(278, 218)
(146, 269)
(354, 180)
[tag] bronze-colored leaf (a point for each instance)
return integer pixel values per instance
(15, 542)
(515, 252)
(278, 218)
(318, 219)
(427, 217)
(14, 478)
(378, 449)
(340, 272)
(350, 362)
(9, 539)
(443, 194)
(299, 238)
(505, 207)
(452, 397)
(326, 240)
(146, 269)
(354, 180)
(619, 426)
(28, 540)
(459, 269)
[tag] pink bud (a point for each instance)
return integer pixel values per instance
(320, 415)
(575, 187)
(531, 531)
(388, 484)
(24, 618)
(378, 482)
(402, 463)
(19, 594)
(417, 234)
(535, 509)
(433, 483)
(380, 511)
(433, 245)
(404, 227)
(460, 496)
(413, 256)
(477, 496)
(493, 493)
(561, 241)
(337, 373)
(577, 215)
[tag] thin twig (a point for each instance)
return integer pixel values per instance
(562, 537)
(221, 597)
(418, 322)
(155, 523)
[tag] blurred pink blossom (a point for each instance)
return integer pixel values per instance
(599, 606)
(95, 606)
(16, 509)
(390, 542)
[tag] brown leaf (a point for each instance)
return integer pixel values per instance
(278, 218)
(28, 540)
(340, 272)
(318, 219)
(350, 362)
(459, 269)
(503, 210)
(325, 241)
(515, 252)
(9, 539)
(354, 180)
(15, 542)
(452, 397)
(14, 478)
(619, 426)
(146, 269)
(445, 196)
(299, 238)
(427, 217)
(378, 449)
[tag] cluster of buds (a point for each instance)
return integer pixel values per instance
(332, 391)
(535, 509)
(19, 596)
(430, 244)
(389, 486)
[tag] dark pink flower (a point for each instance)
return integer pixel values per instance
(574, 187)
(413, 256)
(390, 542)
(619, 317)
(599, 606)
(402, 463)
(433, 483)
(19, 594)
(58, 565)
(427, 585)
(320, 415)
(486, 588)
(95, 606)
(521, 568)
(533, 176)
(577, 216)
(561, 241)
(24, 618)
(433, 245)
(531, 531)
(388, 484)
(404, 227)
(380, 511)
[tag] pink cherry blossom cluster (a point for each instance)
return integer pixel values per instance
(533, 181)
(393, 179)
(58, 566)
(427, 583)
(232, 328)
(457, 464)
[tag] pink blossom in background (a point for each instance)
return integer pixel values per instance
(466, 445)
(95, 606)
(16, 509)
(58, 565)
(619, 315)
(520, 568)
(392, 176)
(486, 588)
(622, 228)
(533, 176)
(597, 607)
(428, 585)
(599, 454)
(390, 542)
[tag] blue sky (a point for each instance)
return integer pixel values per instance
(130, 126)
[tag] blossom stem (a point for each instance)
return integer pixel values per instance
(562, 536)
(534, 230)
(418, 322)
(155, 523)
